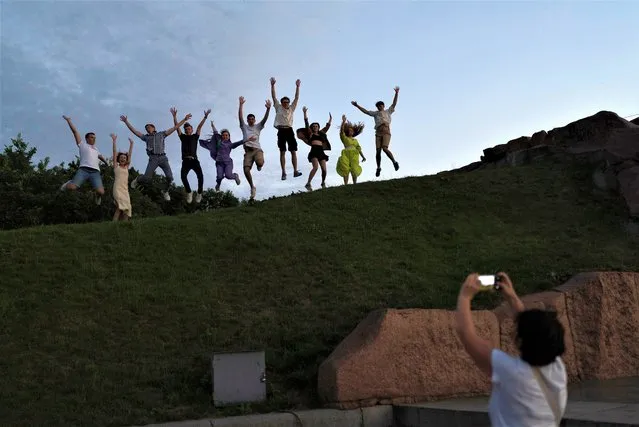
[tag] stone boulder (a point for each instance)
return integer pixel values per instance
(405, 356)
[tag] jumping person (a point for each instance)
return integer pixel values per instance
(90, 158)
(284, 110)
(348, 161)
(318, 141)
(382, 129)
(121, 197)
(155, 149)
(252, 150)
(220, 146)
(190, 161)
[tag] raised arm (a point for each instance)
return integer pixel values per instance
(75, 132)
(173, 111)
(131, 128)
(298, 82)
(177, 126)
(199, 126)
(268, 110)
(273, 95)
(114, 138)
(240, 111)
(308, 128)
(130, 153)
(394, 104)
(328, 124)
(215, 132)
(359, 107)
(341, 127)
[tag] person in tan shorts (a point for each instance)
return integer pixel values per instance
(382, 129)
(252, 150)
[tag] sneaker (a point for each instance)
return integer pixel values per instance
(198, 197)
(64, 186)
(237, 179)
(134, 183)
(297, 173)
(378, 171)
(217, 188)
(252, 192)
(283, 177)
(189, 197)
(323, 185)
(167, 196)
(396, 165)
(308, 187)
(98, 199)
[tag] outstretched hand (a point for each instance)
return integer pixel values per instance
(131, 140)
(114, 137)
(188, 117)
(173, 111)
(330, 117)
(242, 100)
(67, 118)
(354, 103)
(298, 82)
(272, 81)
(396, 89)
(268, 104)
(506, 285)
(304, 109)
(123, 118)
(343, 118)
(207, 112)
(470, 287)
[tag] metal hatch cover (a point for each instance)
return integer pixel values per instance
(238, 377)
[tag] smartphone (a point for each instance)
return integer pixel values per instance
(489, 282)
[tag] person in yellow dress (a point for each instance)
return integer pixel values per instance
(121, 198)
(348, 161)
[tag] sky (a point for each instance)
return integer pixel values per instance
(471, 74)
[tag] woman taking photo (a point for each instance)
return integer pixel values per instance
(529, 390)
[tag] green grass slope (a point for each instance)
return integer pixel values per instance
(114, 324)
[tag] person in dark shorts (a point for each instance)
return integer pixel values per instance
(284, 110)
(318, 141)
(190, 161)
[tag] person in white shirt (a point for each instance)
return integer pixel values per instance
(529, 390)
(284, 110)
(90, 158)
(253, 152)
(382, 129)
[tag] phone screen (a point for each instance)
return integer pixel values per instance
(487, 280)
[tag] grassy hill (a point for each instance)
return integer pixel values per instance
(114, 324)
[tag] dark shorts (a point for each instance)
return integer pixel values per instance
(317, 152)
(286, 136)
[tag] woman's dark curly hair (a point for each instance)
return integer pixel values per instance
(540, 336)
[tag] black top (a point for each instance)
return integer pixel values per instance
(189, 145)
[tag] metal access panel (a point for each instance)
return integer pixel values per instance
(238, 378)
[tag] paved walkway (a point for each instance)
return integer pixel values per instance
(609, 403)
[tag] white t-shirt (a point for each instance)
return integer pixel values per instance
(249, 131)
(89, 156)
(517, 399)
(284, 116)
(382, 117)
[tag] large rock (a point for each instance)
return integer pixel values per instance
(402, 356)
(603, 310)
(629, 187)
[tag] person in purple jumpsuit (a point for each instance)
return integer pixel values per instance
(220, 146)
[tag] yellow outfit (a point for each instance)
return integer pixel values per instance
(121, 189)
(348, 161)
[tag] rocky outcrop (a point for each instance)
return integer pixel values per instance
(605, 140)
(403, 356)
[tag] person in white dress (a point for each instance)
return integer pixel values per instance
(121, 198)
(528, 390)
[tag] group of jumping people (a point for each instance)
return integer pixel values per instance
(219, 145)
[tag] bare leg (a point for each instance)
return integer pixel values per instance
(354, 178)
(323, 165)
(389, 154)
(247, 174)
(294, 161)
(346, 179)
(116, 216)
(283, 163)
(312, 174)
